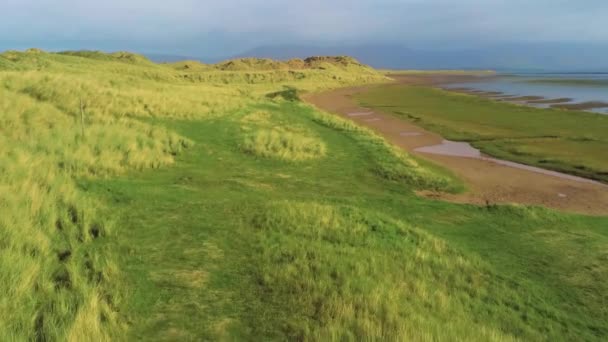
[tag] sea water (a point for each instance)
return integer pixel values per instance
(579, 87)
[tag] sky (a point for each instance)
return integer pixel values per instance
(222, 28)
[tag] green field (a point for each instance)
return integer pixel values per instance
(568, 141)
(208, 203)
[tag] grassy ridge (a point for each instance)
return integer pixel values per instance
(572, 142)
(198, 203)
(79, 115)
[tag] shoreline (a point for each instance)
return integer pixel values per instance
(442, 81)
(488, 181)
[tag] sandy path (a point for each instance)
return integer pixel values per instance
(488, 181)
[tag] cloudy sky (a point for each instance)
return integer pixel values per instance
(214, 28)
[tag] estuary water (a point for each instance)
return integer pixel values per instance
(589, 90)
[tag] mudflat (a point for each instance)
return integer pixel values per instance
(551, 101)
(581, 105)
(488, 181)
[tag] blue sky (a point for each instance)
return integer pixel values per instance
(214, 28)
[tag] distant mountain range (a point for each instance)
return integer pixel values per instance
(515, 57)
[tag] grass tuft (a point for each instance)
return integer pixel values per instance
(284, 144)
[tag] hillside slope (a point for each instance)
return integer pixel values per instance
(187, 201)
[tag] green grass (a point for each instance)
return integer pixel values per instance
(233, 247)
(89, 115)
(159, 223)
(567, 141)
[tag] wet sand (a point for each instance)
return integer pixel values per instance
(463, 149)
(525, 98)
(503, 97)
(551, 101)
(489, 180)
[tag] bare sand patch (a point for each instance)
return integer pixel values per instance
(410, 134)
(451, 148)
(360, 114)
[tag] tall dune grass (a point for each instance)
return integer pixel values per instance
(283, 144)
(51, 264)
(56, 279)
(268, 136)
(86, 114)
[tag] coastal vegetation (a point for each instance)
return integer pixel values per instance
(188, 201)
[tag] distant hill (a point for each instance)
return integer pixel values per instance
(120, 56)
(547, 56)
(311, 73)
(319, 62)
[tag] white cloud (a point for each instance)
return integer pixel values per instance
(185, 21)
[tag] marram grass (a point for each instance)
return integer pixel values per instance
(83, 114)
(283, 144)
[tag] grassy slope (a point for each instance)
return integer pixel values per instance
(572, 142)
(310, 232)
(234, 246)
(86, 115)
